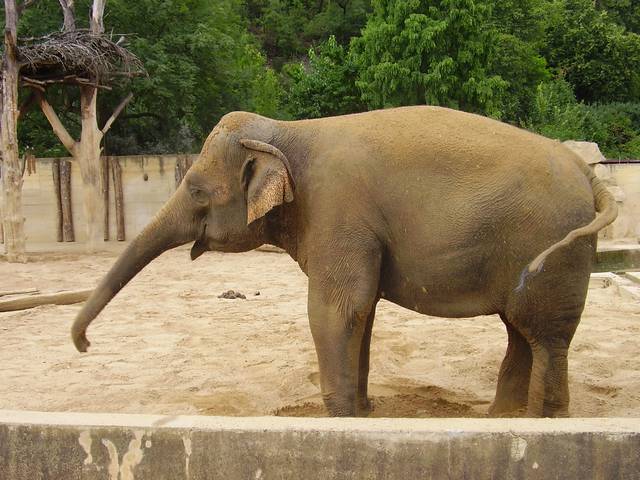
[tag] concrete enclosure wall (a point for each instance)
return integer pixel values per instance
(143, 198)
(627, 177)
(110, 446)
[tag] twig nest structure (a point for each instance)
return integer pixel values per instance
(75, 57)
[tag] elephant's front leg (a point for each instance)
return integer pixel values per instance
(341, 301)
(363, 402)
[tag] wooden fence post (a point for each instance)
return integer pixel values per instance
(116, 171)
(104, 172)
(183, 164)
(1, 211)
(55, 171)
(65, 194)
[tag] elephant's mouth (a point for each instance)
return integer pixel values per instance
(201, 244)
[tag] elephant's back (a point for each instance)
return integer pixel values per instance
(455, 135)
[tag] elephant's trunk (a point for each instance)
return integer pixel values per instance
(167, 230)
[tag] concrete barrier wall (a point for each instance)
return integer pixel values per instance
(627, 177)
(142, 198)
(110, 446)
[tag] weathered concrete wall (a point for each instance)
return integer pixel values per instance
(142, 198)
(627, 178)
(92, 446)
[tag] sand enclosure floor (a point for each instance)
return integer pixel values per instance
(168, 345)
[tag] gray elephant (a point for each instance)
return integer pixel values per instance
(442, 212)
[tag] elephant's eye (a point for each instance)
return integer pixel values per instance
(199, 195)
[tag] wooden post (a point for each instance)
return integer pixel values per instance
(12, 169)
(65, 194)
(118, 194)
(104, 172)
(1, 215)
(55, 170)
(183, 164)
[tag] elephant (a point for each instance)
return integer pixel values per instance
(445, 213)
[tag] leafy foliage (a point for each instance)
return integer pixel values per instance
(201, 63)
(595, 55)
(288, 28)
(623, 12)
(523, 69)
(615, 127)
(326, 86)
(428, 51)
(564, 68)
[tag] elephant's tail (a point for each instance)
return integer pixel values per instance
(606, 209)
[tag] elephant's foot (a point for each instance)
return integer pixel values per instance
(339, 407)
(510, 412)
(508, 407)
(555, 412)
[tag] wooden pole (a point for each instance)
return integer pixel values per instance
(12, 169)
(1, 222)
(116, 171)
(104, 171)
(65, 193)
(1, 214)
(19, 292)
(183, 164)
(31, 301)
(55, 170)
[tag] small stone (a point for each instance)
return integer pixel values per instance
(256, 293)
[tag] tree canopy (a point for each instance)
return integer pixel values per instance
(564, 68)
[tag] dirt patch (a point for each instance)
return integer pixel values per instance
(397, 406)
(167, 345)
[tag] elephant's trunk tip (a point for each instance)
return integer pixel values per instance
(79, 337)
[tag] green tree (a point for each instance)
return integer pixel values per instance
(524, 19)
(615, 127)
(428, 51)
(201, 63)
(624, 12)
(593, 53)
(522, 68)
(288, 28)
(326, 85)
(556, 113)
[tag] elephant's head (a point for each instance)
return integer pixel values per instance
(221, 205)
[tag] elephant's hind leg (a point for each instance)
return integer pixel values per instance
(549, 387)
(514, 375)
(549, 337)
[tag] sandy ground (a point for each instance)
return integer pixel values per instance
(168, 345)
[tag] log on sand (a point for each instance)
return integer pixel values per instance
(19, 292)
(31, 301)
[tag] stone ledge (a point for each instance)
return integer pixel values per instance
(106, 446)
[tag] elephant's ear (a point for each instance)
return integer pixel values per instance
(266, 176)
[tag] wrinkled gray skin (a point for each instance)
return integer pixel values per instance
(442, 212)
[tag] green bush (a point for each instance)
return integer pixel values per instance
(325, 86)
(615, 127)
(555, 113)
